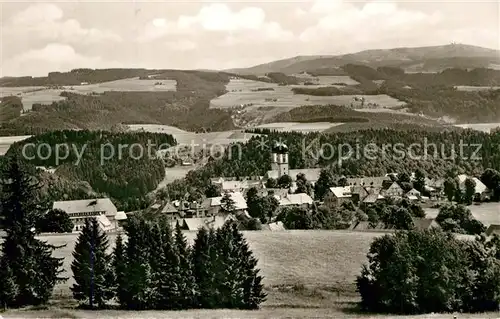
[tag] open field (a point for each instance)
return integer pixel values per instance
(44, 95)
(483, 127)
(264, 313)
(6, 141)
(186, 138)
(486, 213)
(328, 259)
(476, 88)
(243, 93)
(299, 127)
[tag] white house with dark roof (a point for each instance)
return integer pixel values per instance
(102, 209)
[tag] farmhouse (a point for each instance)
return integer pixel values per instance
(299, 200)
(102, 208)
(481, 191)
(413, 194)
(336, 196)
(391, 189)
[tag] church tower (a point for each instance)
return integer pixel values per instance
(279, 158)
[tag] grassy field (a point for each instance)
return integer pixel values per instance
(486, 213)
(6, 141)
(42, 95)
(191, 138)
(476, 88)
(299, 127)
(328, 260)
(244, 92)
(483, 127)
(308, 274)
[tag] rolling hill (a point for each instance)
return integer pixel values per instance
(421, 59)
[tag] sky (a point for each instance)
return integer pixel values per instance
(40, 37)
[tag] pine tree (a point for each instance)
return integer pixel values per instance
(8, 287)
(34, 272)
(119, 267)
(187, 284)
(227, 203)
(202, 259)
(139, 290)
(91, 266)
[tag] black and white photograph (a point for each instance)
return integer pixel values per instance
(257, 159)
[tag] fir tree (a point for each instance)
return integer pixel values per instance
(119, 267)
(91, 266)
(8, 287)
(202, 256)
(227, 203)
(186, 284)
(33, 270)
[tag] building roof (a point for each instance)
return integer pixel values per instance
(237, 197)
(120, 215)
(341, 192)
(368, 181)
(493, 229)
(480, 187)
(311, 174)
(244, 184)
(205, 222)
(169, 208)
(371, 198)
(87, 206)
(104, 223)
(295, 199)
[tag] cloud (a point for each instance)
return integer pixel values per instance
(45, 21)
(375, 21)
(247, 24)
(53, 57)
(181, 45)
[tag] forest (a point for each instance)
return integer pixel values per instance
(119, 165)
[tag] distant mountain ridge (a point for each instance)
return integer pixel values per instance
(418, 59)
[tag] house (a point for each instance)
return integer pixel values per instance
(391, 189)
(79, 210)
(413, 194)
(212, 205)
(481, 191)
(299, 200)
(169, 209)
(371, 199)
(493, 229)
(338, 195)
(372, 182)
(212, 222)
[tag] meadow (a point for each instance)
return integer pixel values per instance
(476, 88)
(243, 92)
(299, 127)
(328, 260)
(46, 95)
(483, 127)
(6, 141)
(486, 213)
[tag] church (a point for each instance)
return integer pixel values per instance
(280, 165)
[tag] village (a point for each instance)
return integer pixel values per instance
(210, 212)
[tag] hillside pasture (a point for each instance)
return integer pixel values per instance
(242, 93)
(46, 95)
(7, 141)
(327, 259)
(486, 213)
(476, 88)
(186, 138)
(483, 127)
(299, 127)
